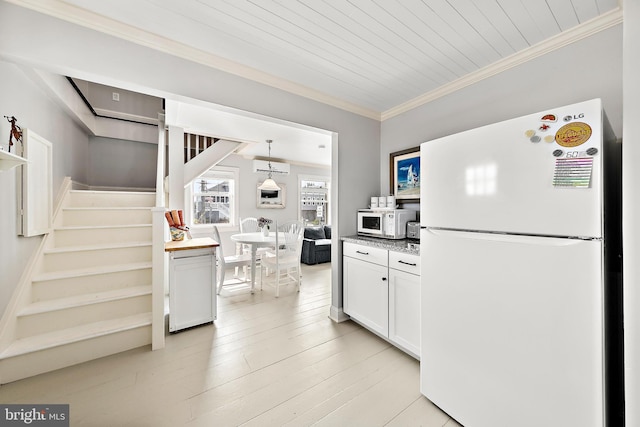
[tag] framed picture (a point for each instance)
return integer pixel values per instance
(271, 199)
(405, 175)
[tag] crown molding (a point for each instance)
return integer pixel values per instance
(582, 31)
(103, 24)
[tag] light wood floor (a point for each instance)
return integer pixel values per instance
(265, 362)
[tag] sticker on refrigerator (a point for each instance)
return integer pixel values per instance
(573, 172)
(573, 134)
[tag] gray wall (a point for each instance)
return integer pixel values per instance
(121, 163)
(68, 49)
(101, 98)
(23, 99)
(591, 68)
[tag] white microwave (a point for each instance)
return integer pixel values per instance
(384, 223)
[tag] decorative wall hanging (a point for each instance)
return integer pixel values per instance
(15, 132)
(405, 175)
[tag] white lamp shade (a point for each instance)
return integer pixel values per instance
(269, 184)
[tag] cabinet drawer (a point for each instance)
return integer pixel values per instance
(365, 253)
(404, 262)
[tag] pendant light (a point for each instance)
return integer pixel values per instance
(269, 183)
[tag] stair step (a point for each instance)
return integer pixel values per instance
(106, 215)
(82, 300)
(111, 198)
(91, 271)
(99, 247)
(69, 258)
(75, 334)
(101, 234)
(67, 283)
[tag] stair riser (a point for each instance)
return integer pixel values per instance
(61, 261)
(61, 319)
(98, 236)
(62, 288)
(110, 199)
(98, 217)
(31, 364)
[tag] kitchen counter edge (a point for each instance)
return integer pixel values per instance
(392, 245)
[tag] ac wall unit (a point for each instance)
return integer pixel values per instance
(262, 166)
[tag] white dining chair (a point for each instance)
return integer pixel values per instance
(224, 262)
(284, 259)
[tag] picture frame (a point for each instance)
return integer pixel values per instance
(404, 175)
(271, 199)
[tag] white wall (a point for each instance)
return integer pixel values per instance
(22, 98)
(68, 49)
(249, 181)
(122, 163)
(631, 210)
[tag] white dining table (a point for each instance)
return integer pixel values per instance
(255, 240)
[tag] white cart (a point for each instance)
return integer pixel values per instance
(192, 288)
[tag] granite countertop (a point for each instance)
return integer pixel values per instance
(404, 245)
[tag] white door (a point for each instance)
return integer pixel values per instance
(512, 329)
(366, 293)
(404, 310)
(494, 178)
(192, 295)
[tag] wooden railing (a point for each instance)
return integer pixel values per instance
(196, 144)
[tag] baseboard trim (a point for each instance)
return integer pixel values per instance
(338, 315)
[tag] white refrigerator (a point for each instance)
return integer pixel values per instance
(521, 289)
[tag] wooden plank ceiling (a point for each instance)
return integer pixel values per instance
(376, 54)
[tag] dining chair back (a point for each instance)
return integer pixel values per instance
(224, 262)
(249, 225)
(285, 259)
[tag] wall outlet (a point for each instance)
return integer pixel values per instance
(115, 96)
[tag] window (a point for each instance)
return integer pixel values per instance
(213, 197)
(314, 200)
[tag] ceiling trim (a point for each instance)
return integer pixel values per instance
(600, 23)
(118, 115)
(85, 18)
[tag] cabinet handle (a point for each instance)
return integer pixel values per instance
(362, 253)
(384, 279)
(413, 264)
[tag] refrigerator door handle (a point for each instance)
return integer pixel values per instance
(508, 238)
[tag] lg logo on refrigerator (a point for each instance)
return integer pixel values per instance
(574, 117)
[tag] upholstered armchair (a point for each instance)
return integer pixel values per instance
(316, 245)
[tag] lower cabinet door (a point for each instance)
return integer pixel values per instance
(192, 295)
(404, 310)
(366, 294)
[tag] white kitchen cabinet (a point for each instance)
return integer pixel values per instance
(381, 291)
(366, 296)
(192, 290)
(404, 301)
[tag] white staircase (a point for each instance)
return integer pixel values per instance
(90, 292)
